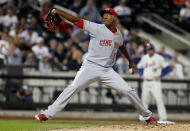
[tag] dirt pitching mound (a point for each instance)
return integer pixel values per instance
(132, 127)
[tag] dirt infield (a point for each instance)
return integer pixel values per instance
(132, 127)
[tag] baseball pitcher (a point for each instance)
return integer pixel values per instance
(106, 39)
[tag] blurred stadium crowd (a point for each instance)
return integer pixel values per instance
(24, 40)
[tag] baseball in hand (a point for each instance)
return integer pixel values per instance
(131, 70)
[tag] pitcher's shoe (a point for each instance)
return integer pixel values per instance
(41, 117)
(151, 120)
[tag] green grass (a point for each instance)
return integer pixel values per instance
(24, 125)
(28, 125)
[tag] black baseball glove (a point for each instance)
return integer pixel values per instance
(52, 21)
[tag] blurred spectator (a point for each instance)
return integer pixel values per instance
(44, 64)
(24, 8)
(143, 44)
(105, 5)
(30, 61)
(46, 9)
(185, 16)
(76, 59)
(5, 29)
(85, 49)
(133, 36)
(166, 56)
(3, 2)
(141, 49)
(4, 44)
(39, 49)
(22, 24)
(10, 5)
(73, 55)
(14, 55)
(135, 55)
(122, 65)
(24, 95)
(36, 27)
(64, 27)
(52, 46)
(42, 2)
(85, 46)
(124, 32)
(76, 6)
(122, 9)
(124, 14)
(59, 56)
(1, 16)
(67, 50)
(99, 19)
(176, 67)
(130, 36)
(14, 33)
(29, 36)
(185, 12)
(90, 9)
(86, 16)
(10, 19)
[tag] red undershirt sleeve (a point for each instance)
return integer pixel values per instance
(80, 23)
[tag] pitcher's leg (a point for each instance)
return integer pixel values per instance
(157, 93)
(83, 78)
(61, 101)
(112, 79)
(145, 94)
(145, 97)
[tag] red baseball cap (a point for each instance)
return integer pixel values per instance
(108, 10)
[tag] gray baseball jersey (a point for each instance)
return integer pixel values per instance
(103, 44)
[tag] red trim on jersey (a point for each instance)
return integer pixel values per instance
(80, 23)
(113, 30)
